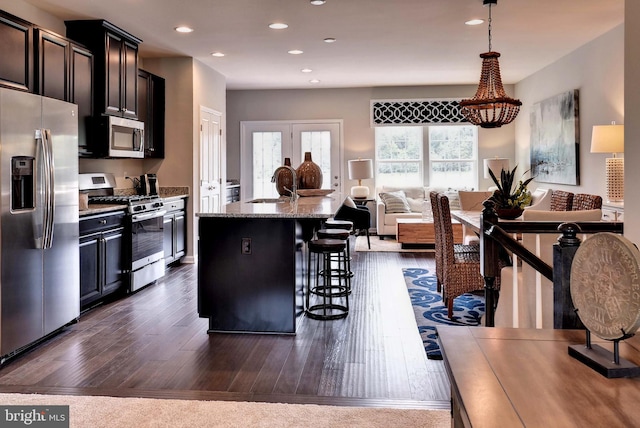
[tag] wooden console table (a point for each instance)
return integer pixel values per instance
(504, 377)
(413, 232)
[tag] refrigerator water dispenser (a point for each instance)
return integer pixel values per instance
(22, 191)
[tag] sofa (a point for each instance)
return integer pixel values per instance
(406, 202)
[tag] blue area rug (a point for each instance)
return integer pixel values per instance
(430, 310)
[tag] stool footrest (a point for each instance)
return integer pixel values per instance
(327, 307)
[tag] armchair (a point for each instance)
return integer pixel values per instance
(360, 216)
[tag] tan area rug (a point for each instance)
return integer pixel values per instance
(97, 412)
(387, 244)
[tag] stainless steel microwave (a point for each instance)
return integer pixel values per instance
(125, 137)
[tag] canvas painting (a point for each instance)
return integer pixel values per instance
(555, 139)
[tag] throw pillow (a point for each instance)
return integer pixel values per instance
(395, 202)
(348, 202)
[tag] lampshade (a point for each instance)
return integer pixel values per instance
(496, 165)
(360, 169)
(610, 139)
(607, 139)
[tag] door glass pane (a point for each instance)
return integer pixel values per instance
(267, 156)
(319, 144)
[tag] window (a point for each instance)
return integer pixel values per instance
(453, 156)
(398, 156)
(451, 162)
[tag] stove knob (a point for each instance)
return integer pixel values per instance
(138, 208)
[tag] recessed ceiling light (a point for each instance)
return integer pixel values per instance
(184, 29)
(329, 39)
(474, 22)
(306, 70)
(314, 81)
(278, 26)
(295, 52)
(318, 2)
(217, 54)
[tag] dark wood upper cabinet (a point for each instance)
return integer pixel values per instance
(151, 109)
(115, 68)
(81, 93)
(64, 70)
(16, 61)
(52, 65)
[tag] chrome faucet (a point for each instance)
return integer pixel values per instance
(294, 191)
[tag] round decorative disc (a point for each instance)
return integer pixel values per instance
(605, 285)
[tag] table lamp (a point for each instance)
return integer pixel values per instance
(360, 169)
(496, 165)
(610, 139)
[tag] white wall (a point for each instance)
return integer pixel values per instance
(632, 119)
(596, 70)
(189, 85)
(353, 107)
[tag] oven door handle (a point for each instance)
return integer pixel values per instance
(147, 216)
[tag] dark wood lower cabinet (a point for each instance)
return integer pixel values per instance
(101, 257)
(175, 231)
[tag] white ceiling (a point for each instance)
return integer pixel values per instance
(379, 42)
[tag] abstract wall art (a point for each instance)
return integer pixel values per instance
(555, 139)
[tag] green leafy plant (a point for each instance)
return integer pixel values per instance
(506, 196)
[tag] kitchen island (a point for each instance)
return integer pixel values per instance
(251, 262)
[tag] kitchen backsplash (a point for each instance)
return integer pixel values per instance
(165, 192)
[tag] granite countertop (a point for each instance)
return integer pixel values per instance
(304, 207)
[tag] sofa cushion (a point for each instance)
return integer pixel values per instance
(409, 192)
(395, 202)
(391, 219)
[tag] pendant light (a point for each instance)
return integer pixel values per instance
(490, 107)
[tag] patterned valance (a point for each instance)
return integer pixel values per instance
(415, 112)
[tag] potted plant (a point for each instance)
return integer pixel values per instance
(510, 201)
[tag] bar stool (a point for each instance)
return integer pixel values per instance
(332, 287)
(342, 235)
(332, 223)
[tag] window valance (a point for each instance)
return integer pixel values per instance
(416, 112)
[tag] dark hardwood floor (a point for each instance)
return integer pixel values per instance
(152, 344)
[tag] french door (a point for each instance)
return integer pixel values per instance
(265, 145)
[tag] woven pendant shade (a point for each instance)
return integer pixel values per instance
(490, 107)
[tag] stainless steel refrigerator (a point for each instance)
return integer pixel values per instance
(39, 254)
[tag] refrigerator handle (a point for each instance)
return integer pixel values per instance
(49, 194)
(39, 214)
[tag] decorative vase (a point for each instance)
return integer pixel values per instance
(309, 174)
(284, 179)
(509, 213)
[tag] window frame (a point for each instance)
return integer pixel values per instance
(425, 164)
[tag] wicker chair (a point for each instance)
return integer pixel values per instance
(437, 226)
(561, 200)
(584, 201)
(460, 270)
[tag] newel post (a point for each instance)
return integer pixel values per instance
(489, 254)
(564, 314)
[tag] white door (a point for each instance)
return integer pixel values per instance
(323, 141)
(210, 171)
(265, 145)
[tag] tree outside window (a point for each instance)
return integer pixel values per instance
(451, 162)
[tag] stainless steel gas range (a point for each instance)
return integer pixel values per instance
(145, 214)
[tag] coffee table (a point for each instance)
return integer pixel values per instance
(419, 233)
